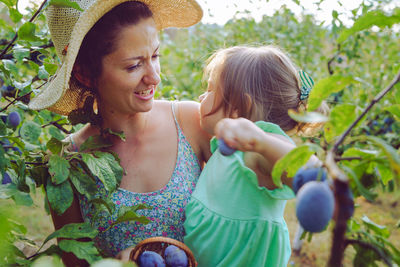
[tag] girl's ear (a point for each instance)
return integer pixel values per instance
(249, 102)
(79, 74)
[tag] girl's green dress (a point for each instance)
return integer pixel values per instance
(231, 221)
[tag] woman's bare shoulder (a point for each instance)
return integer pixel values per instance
(189, 119)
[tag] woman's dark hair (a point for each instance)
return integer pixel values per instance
(100, 40)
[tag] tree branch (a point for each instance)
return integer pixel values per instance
(347, 158)
(16, 34)
(15, 100)
(30, 163)
(373, 102)
(55, 123)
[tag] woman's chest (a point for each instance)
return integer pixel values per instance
(149, 164)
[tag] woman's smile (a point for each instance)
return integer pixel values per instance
(145, 94)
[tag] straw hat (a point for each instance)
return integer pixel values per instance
(69, 26)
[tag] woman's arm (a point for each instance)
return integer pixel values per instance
(189, 120)
(71, 215)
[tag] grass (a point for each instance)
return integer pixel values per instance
(384, 211)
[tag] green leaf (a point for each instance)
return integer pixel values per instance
(4, 162)
(308, 117)
(22, 198)
(341, 118)
(100, 167)
(391, 153)
(371, 196)
(54, 145)
(324, 87)
(83, 250)
(82, 182)
(378, 229)
(130, 215)
(20, 53)
(74, 231)
(9, 3)
(11, 191)
(10, 66)
(65, 3)
(7, 190)
(30, 131)
(15, 16)
(49, 261)
(106, 202)
(121, 135)
(56, 133)
(95, 142)
(43, 74)
(385, 173)
(60, 196)
(292, 162)
(372, 18)
(27, 32)
(58, 169)
(50, 68)
(395, 110)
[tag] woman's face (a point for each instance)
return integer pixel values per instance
(208, 100)
(131, 73)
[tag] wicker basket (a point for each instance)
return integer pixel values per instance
(159, 244)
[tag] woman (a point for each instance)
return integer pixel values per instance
(110, 52)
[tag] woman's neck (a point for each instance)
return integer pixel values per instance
(131, 125)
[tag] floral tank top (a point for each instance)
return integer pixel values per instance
(168, 206)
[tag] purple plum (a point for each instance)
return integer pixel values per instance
(175, 257)
(314, 206)
(224, 148)
(151, 259)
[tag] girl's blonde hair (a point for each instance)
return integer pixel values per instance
(260, 83)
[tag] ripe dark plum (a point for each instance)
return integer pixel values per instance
(314, 206)
(306, 175)
(151, 259)
(14, 119)
(175, 257)
(6, 179)
(224, 148)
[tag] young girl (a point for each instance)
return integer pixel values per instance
(235, 215)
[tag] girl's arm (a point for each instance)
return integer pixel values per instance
(263, 149)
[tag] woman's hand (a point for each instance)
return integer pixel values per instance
(124, 254)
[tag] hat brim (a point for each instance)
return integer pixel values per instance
(166, 13)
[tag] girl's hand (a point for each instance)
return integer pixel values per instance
(241, 134)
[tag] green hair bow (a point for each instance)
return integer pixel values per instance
(307, 84)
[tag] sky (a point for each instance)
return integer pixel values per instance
(220, 11)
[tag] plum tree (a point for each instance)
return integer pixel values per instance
(14, 119)
(304, 176)
(314, 206)
(151, 259)
(224, 148)
(175, 257)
